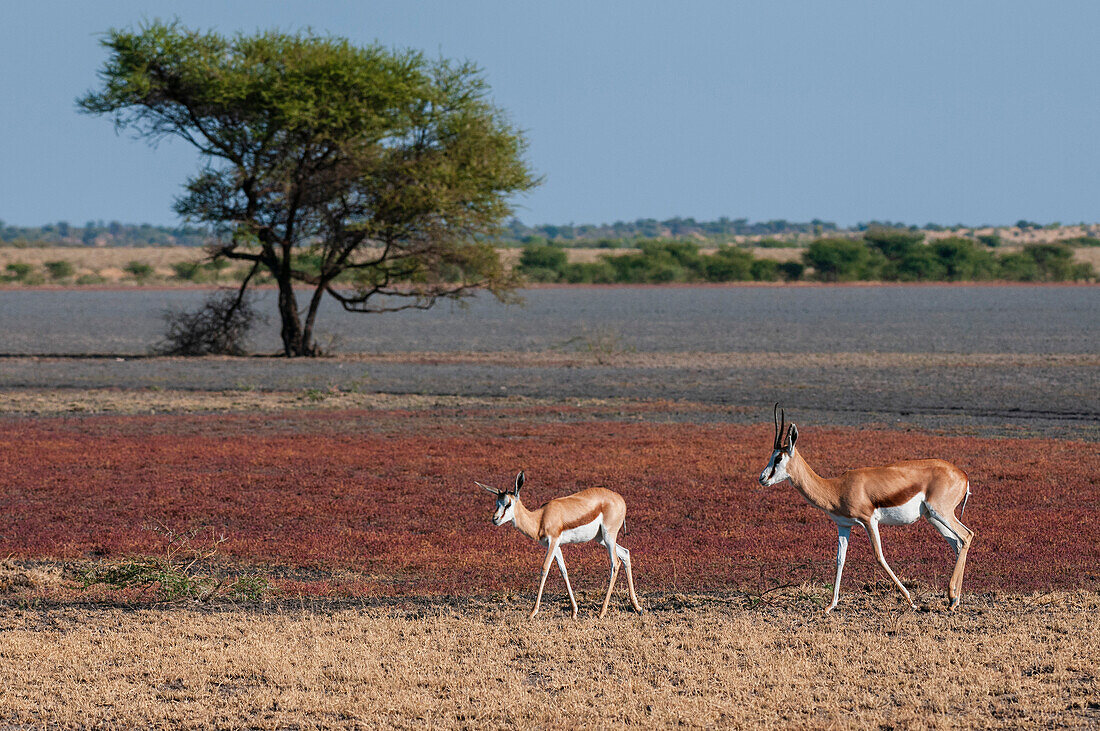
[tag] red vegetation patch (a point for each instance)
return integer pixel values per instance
(387, 499)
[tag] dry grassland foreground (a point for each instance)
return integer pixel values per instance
(700, 661)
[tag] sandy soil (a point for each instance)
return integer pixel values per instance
(694, 661)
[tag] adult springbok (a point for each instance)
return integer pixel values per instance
(897, 494)
(577, 518)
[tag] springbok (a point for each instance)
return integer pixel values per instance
(577, 518)
(897, 494)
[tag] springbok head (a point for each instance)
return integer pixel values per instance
(506, 500)
(776, 471)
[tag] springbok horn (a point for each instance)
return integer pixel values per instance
(775, 417)
(486, 487)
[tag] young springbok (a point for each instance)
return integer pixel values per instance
(577, 518)
(897, 494)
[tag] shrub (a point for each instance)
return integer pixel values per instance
(791, 270)
(59, 269)
(90, 279)
(920, 264)
(597, 272)
(543, 256)
(139, 270)
(893, 243)
(646, 267)
(841, 260)
(220, 327)
(963, 260)
(729, 264)
(541, 274)
(1047, 263)
(765, 270)
(182, 571)
(19, 271)
(1018, 267)
(990, 240)
(188, 270)
(1081, 241)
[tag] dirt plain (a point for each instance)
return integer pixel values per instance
(347, 481)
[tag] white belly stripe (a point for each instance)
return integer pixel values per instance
(582, 533)
(901, 514)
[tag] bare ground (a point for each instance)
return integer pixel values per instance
(696, 661)
(1009, 394)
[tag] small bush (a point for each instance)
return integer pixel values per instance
(1081, 241)
(918, 265)
(893, 243)
(90, 279)
(19, 271)
(597, 272)
(59, 269)
(765, 270)
(843, 260)
(183, 571)
(961, 260)
(190, 271)
(791, 270)
(139, 270)
(1045, 263)
(219, 327)
(543, 256)
(728, 264)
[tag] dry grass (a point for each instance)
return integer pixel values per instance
(694, 661)
(56, 402)
(109, 262)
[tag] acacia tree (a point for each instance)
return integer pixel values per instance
(369, 175)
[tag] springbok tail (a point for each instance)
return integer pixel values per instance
(965, 498)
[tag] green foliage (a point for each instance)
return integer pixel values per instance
(842, 260)
(657, 261)
(139, 270)
(765, 270)
(729, 264)
(381, 164)
(191, 271)
(1081, 241)
(593, 272)
(19, 271)
(893, 243)
(85, 279)
(182, 571)
(539, 258)
(916, 265)
(962, 260)
(990, 240)
(1044, 263)
(59, 269)
(791, 270)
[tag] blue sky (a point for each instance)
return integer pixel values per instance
(965, 111)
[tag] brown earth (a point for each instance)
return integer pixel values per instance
(694, 661)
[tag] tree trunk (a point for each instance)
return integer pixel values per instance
(295, 341)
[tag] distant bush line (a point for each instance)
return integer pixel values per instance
(891, 257)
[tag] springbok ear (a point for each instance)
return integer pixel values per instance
(792, 434)
(486, 487)
(519, 482)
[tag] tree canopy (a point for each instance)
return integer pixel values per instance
(366, 174)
